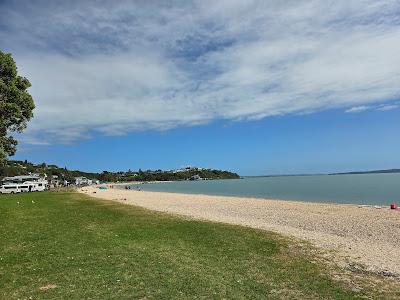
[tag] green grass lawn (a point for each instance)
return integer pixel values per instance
(67, 245)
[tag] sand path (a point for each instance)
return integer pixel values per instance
(364, 235)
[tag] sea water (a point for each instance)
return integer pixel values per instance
(377, 189)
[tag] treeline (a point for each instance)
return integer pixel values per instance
(16, 167)
(166, 175)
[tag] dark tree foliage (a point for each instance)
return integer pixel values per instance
(160, 175)
(16, 105)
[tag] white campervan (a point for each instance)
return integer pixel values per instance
(40, 186)
(32, 186)
(10, 189)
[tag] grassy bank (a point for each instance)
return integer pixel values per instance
(67, 245)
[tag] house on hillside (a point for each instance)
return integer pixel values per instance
(85, 181)
(195, 177)
(185, 169)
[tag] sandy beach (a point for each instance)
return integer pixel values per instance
(363, 235)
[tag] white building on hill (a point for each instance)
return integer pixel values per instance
(83, 181)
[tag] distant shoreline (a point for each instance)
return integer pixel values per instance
(386, 171)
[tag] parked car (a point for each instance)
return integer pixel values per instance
(10, 189)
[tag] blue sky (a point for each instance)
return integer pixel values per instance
(329, 141)
(257, 87)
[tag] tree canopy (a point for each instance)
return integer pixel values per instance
(16, 104)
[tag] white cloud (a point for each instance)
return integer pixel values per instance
(380, 107)
(388, 107)
(128, 67)
(358, 109)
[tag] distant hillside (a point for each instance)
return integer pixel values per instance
(16, 167)
(171, 175)
(369, 172)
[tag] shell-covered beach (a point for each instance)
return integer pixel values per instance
(367, 237)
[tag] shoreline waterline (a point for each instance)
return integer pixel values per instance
(141, 184)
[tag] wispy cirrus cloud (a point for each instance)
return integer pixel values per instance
(358, 109)
(116, 68)
(388, 107)
(378, 107)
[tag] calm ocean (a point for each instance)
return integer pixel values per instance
(379, 189)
